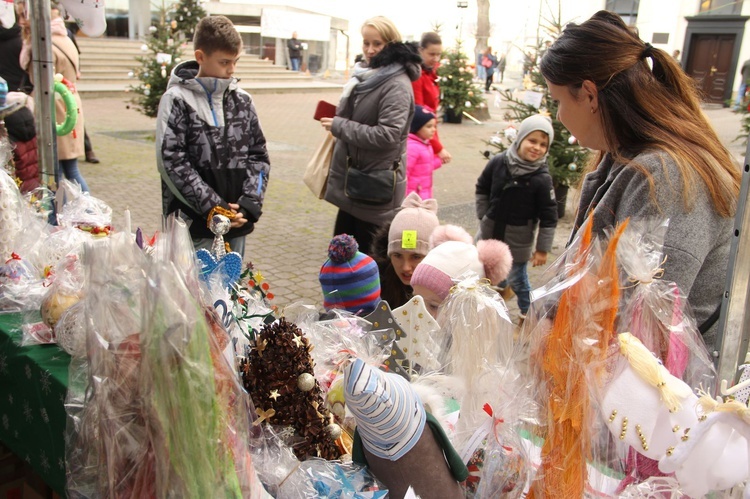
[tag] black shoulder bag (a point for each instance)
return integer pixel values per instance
(373, 187)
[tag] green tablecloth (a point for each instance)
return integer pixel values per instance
(33, 384)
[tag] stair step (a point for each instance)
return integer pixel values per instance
(105, 63)
(124, 81)
(251, 87)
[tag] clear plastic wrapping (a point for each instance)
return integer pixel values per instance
(317, 478)
(573, 321)
(158, 411)
(199, 412)
(109, 452)
(76, 208)
(476, 338)
(655, 310)
(12, 210)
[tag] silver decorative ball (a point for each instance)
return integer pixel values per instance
(334, 430)
(305, 382)
(571, 140)
(572, 167)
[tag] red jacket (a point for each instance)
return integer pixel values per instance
(427, 93)
(27, 164)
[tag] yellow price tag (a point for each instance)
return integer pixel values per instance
(409, 239)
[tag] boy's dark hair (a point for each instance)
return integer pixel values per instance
(430, 38)
(217, 33)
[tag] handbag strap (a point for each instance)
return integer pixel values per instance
(66, 56)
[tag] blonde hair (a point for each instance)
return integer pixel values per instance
(385, 27)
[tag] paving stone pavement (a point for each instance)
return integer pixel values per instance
(290, 241)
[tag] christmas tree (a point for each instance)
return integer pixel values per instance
(566, 157)
(187, 13)
(162, 54)
(279, 377)
(458, 92)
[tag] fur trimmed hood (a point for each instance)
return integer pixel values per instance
(404, 53)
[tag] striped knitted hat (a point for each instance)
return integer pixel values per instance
(350, 279)
(389, 414)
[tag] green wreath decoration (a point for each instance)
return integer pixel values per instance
(71, 109)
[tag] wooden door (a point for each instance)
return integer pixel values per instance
(709, 63)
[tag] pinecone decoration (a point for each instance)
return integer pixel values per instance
(279, 377)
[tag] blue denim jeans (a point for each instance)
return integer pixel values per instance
(295, 63)
(71, 172)
(741, 94)
(519, 283)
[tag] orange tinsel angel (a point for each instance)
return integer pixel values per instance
(582, 330)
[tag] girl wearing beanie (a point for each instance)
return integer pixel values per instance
(421, 160)
(514, 196)
(349, 279)
(400, 247)
(453, 255)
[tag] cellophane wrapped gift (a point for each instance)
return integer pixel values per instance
(158, 412)
(573, 322)
(79, 209)
(21, 280)
(199, 410)
(12, 210)
(480, 354)
(338, 340)
(476, 337)
(656, 311)
(109, 452)
(64, 289)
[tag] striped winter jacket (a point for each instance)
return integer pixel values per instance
(210, 149)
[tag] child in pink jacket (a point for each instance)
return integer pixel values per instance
(421, 161)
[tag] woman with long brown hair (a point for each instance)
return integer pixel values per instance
(658, 156)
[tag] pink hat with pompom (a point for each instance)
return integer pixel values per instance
(454, 254)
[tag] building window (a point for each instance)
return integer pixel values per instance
(627, 9)
(720, 7)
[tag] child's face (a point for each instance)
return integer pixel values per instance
(404, 262)
(428, 130)
(431, 54)
(534, 146)
(218, 64)
(431, 300)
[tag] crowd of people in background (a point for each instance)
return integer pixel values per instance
(637, 109)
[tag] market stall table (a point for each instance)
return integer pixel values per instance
(33, 385)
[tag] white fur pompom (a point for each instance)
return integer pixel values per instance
(443, 233)
(496, 258)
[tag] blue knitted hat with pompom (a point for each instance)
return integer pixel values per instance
(350, 280)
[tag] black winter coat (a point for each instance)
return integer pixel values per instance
(10, 49)
(517, 205)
